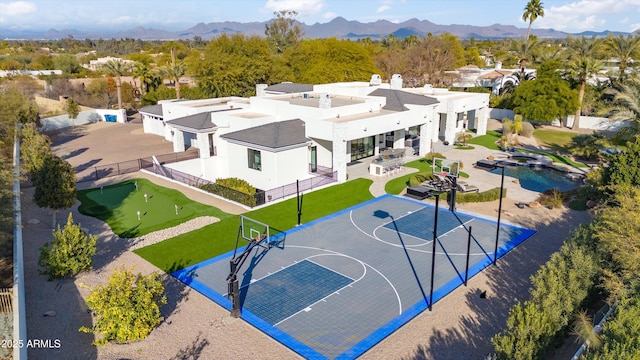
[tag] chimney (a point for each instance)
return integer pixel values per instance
(260, 89)
(396, 82)
(428, 89)
(325, 101)
(498, 65)
(375, 80)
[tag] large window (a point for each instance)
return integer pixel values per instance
(362, 148)
(255, 160)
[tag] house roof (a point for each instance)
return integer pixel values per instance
(152, 109)
(274, 135)
(495, 74)
(288, 88)
(200, 121)
(396, 99)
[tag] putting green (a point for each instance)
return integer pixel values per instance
(130, 213)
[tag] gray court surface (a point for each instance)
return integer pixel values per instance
(335, 287)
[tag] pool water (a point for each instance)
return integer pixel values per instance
(539, 179)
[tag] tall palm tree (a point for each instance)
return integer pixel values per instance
(117, 68)
(623, 48)
(144, 74)
(174, 72)
(583, 66)
(532, 11)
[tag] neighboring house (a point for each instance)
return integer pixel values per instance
(292, 132)
(34, 73)
(96, 65)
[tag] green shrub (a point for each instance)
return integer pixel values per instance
(527, 129)
(552, 198)
(69, 254)
(485, 196)
(559, 289)
(237, 184)
(127, 308)
(234, 189)
(419, 178)
(429, 156)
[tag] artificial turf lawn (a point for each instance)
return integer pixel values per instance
(117, 205)
(219, 238)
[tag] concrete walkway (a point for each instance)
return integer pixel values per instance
(483, 179)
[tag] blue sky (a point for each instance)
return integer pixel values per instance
(565, 15)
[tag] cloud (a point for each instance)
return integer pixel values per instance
(329, 15)
(383, 8)
(17, 8)
(302, 7)
(583, 15)
(117, 20)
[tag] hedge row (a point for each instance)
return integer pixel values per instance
(559, 289)
(489, 195)
(233, 189)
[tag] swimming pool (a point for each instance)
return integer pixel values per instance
(540, 178)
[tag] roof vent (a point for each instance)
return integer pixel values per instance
(376, 80)
(396, 81)
(325, 101)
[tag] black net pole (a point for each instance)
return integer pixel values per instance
(433, 252)
(298, 200)
(495, 254)
(466, 273)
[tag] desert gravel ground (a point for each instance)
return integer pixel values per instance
(459, 327)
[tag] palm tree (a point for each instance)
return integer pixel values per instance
(627, 108)
(144, 74)
(174, 72)
(532, 11)
(117, 68)
(582, 67)
(623, 48)
(527, 50)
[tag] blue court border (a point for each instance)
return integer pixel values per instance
(184, 275)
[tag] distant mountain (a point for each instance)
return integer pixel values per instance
(339, 27)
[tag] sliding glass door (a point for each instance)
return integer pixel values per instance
(362, 148)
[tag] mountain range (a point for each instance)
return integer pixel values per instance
(338, 27)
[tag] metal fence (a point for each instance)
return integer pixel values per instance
(130, 166)
(6, 300)
(302, 185)
(261, 197)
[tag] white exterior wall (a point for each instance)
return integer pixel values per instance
(153, 125)
(280, 168)
(324, 153)
(191, 166)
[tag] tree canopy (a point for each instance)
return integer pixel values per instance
(545, 99)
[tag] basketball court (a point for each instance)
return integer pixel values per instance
(333, 288)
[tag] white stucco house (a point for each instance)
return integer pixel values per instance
(290, 132)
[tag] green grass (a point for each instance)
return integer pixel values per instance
(558, 158)
(555, 140)
(118, 204)
(488, 140)
(219, 238)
